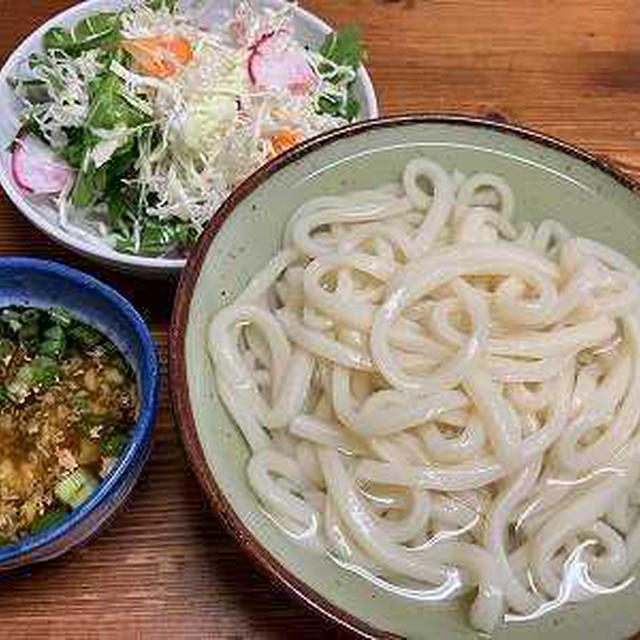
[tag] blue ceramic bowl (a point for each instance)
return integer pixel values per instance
(38, 283)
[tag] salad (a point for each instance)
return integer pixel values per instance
(138, 124)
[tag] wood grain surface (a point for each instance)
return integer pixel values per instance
(166, 568)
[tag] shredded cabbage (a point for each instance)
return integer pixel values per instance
(65, 80)
(215, 126)
(196, 133)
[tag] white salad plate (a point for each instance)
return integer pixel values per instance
(311, 31)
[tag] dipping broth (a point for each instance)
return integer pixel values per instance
(68, 404)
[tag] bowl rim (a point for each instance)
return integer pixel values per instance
(95, 250)
(149, 394)
(280, 575)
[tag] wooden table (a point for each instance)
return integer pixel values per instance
(166, 568)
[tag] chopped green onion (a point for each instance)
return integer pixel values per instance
(40, 373)
(12, 318)
(106, 420)
(80, 401)
(29, 335)
(6, 350)
(54, 342)
(114, 445)
(60, 316)
(76, 488)
(48, 520)
(106, 350)
(119, 362)
(85, 335)
(5, 399)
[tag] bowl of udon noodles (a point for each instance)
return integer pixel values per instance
(405, 360)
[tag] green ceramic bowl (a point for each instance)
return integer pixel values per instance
(549, 178)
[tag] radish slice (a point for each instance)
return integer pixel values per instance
(36, 168)
(278, 63)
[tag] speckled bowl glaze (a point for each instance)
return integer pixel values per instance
(310, 29)
(42, 284)
(549, 179)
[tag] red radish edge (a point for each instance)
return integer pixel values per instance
(254, 48)
(256, 52)
(17, 146)
(36, 169)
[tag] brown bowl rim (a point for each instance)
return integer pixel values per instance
(279, 575)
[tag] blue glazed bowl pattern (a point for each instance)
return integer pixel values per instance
(43, 284)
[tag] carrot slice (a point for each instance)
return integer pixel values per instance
(160, 56)
(284, 140)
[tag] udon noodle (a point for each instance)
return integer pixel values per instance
(442, 399)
